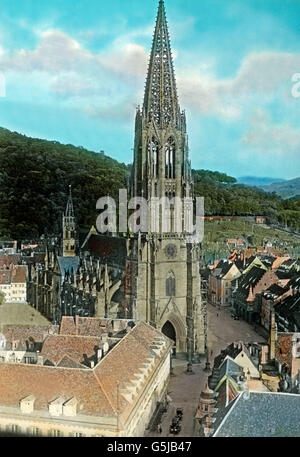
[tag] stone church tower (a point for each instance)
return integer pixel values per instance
(162, 284)
(69, 229)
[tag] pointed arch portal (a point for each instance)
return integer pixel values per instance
(169, 330)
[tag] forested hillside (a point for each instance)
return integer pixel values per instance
(34, 179)
(35, 175)
(224, 198)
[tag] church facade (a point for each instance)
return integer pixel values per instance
(163, 284)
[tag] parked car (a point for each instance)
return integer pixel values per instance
(179, 413)
(175, 427)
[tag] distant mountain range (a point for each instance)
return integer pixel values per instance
(255, 181)
(286, 189)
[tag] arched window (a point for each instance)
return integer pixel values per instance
(170, 285)
(153, 156)
(170, 149)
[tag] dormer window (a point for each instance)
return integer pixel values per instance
(70, 407)
(27, 404)
(56, 406)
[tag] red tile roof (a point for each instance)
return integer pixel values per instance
(126, 359)
(95, 390)
(15, 274)
(85, 326)
(8, 260)
(19, 274)
(24, 334)
(5, 277)
(78, 348)
(18, 381)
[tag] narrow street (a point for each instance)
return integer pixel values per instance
(185, 388)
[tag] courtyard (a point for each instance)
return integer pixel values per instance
(20, 314)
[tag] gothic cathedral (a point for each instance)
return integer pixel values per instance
(163, 284)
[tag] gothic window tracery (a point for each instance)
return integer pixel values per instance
(170, 149)
(153, 155)
(170, 285)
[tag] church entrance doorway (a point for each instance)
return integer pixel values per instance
(169, 330)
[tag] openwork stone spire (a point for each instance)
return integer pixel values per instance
(70, 208)
(69, 228)
(161, 102)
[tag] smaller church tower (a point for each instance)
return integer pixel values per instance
(69, 229)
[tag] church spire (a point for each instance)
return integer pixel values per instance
(69, 228)
(70, 208)
(161, 101)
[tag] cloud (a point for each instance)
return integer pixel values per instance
(202, 94)
(128, 60)
(122, 111)
(73, 87)
(121, 70)
(57, 52)
(280, 139)
(263, 73)
(260, 74)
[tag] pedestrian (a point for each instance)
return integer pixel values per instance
(160, 428)
(217, 314)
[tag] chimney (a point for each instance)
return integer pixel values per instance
(99, 355)
(246, 394)
(40, 360)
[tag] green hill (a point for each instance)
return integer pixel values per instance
(35, 175)
(286, 189)
(239, 200)
(34, 179)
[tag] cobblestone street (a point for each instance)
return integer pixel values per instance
(185, 388)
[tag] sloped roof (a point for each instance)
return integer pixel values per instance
(94, 389)
(294, 283)
(230, 368)
(84, 326)
(7, 260)
(262, 415)
(68, 265)
(109, 249)
(5, 277)
(223, 267)
(18, 381)
(78, 348)
(289, 308)
(25, 334)
(126, 359)
(283, 273)
(274, 291)
(250, 280)
(68, 362)
(232, 350)
(19, 274)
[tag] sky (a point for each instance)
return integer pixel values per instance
(74, 71)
